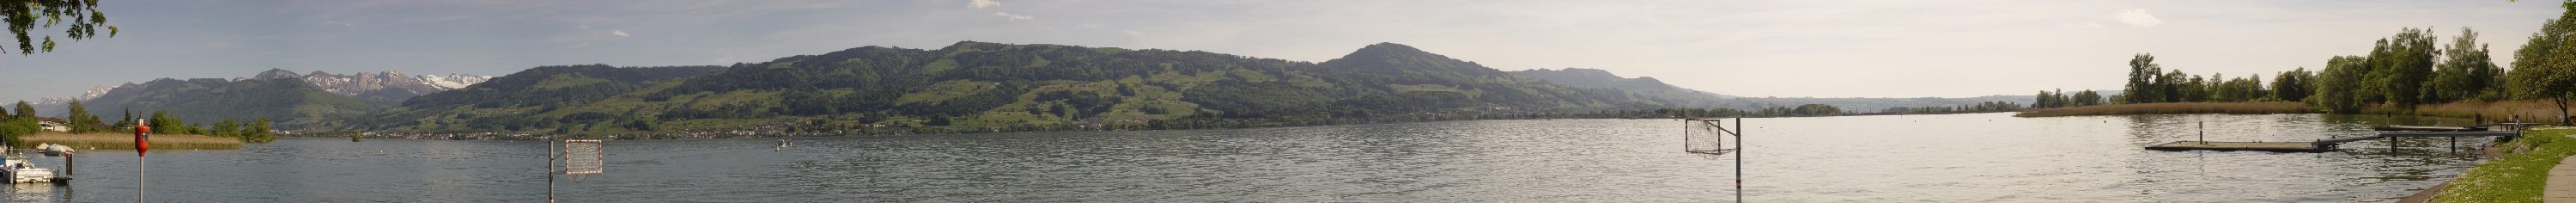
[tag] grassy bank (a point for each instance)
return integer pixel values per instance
(2173, 108)
(120, 141)
(2517, 176)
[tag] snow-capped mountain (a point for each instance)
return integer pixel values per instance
(93, 92)
(388, 83)
(381, 88)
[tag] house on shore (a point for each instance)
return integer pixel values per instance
(51, 124)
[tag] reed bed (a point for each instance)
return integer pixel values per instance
(2173, 108)
(2529, 111)
(119, 141)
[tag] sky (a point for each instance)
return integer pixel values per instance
(1746, 48)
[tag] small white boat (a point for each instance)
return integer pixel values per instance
(54, 149)
(18, 170)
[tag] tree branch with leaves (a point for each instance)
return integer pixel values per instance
(80, 20)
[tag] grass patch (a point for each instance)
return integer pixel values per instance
(2173, 108)
(2517, 176)
(120, 141)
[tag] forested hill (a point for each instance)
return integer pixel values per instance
(290, 102)
(983, 87)
(1642, 86)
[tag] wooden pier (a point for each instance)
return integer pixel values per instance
(2324, 145)
(2241, 146)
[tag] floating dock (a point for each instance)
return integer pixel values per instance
(2325, 145)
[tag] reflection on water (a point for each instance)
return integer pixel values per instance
(1945, 158)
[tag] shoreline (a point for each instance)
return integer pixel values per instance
(2511, 170)
(118, 141)
(2427, 194)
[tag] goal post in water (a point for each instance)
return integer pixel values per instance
(1708, 136)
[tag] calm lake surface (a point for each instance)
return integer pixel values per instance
(1938, 158)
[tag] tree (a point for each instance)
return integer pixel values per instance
(2466, 73)
(2172, 84)
(226, 128)
(2542, 69)
(2292, 85)
(258, 131)
(2400, 66)
(83, 16)
(79, 118)
(2088, 98)
(2043, 100)
(25, 111)
(2339, 88)
(162, 122)
(2143, 79)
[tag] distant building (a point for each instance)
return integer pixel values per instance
(53, 126)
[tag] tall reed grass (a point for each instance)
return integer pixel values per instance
(119, 141)
(2173, 108)
(2493, 112)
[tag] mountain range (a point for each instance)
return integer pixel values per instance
(967, 86)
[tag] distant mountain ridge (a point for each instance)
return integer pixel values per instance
(1643, 86)
(1650, 87)
(288, 101)
(984, 87)
(386, 88)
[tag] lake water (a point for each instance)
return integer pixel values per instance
(1940, 158)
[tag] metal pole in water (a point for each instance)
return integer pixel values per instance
(138, 177)
(550, 169)
(1739, 159)
(2204, 132)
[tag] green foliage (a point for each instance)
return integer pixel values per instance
(2545, 68)
(80, 120)
(226, 128)
(2293, 85)
(2467, 73)
(24, 111)
(2339, 87)
(83, 17)
(2087, 98)
(2400, 65)
(2144, 80)
(258, 131)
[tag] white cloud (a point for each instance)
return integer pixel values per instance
(983, 3)
(1013, 16)
(619, 33)
(2138, 17)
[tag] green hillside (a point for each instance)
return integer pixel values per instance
(989, 87)
(292, 103)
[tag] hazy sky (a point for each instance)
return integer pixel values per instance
(1750, 48)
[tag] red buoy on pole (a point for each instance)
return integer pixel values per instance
(142, 138)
